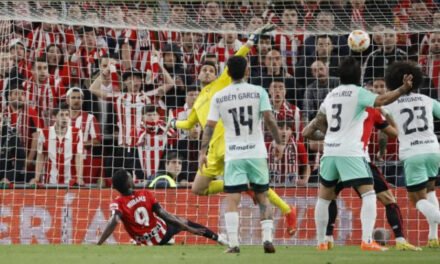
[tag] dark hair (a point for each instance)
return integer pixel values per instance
(192, 88)
(172, 155)
(39, 59)
(350, 71)
(284, 122)
(395, 72)
(119, 181)
(149, 109)
(209, 63)
(60, 63)
(86, 29)
(277, 79)
(237, 67)
(59, 108)
(321, 37)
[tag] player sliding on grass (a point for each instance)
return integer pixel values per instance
(204, 183)
(418, 145)
(241, 107)
(344, 156)
(381, 187)
(144, 219)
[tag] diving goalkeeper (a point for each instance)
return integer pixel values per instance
(204, 183)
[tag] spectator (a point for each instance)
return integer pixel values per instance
(378, 60)
(188, 148)
(211, 18)
(151, 140)
(43, 93)
(88, 54)
(169, 177)
(257, 54)
(419, 15)
(260, 8)
(254, 23)
(317, 90)
(91, 135)
(24, 122)
(325, 23)
(273, 69)
(17, 50)
(424, 46)
(377, 36)
(293, 168)
(227, 46)
(146, 14)
(192, 53)
(431, 64)
(60, 148)
(178, 19)
(326, 53)
(182, 113)
(38, 39)
(5, 69)
(59, 69)
(284, 110)
(289, 39)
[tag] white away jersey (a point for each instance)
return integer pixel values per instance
(240, 106)
(413, 114)
(345, 107)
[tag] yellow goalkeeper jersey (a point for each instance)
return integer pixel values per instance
(200, 110)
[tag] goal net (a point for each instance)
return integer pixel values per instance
(87, 88)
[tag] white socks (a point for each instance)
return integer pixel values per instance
(431, 213)
(321, 219)
(231, 219)
(433, 227)
(267, 229)
(368, 215)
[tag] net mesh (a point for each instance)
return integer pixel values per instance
(106, 60)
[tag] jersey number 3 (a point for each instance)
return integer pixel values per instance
(141, 216)
(336, 116)
(239, 116)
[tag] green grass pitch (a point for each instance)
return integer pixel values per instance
(126, 254)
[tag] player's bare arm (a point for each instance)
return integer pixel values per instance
(111, 226)
(271, 124)
(392, 96)
(175, 220)
(207, 135)
(316, 129)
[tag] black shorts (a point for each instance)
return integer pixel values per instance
(380, 183)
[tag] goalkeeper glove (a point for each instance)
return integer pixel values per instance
(253, 39)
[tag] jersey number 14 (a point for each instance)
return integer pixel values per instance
(239, 118)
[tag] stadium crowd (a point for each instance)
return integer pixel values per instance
(81, 101)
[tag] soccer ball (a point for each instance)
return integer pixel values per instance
(381, 235)
(358, 40)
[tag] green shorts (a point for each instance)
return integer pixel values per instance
(351, 171)
(419, 169)
(240, 172)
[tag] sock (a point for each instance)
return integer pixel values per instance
(278, 202)
(368, 215)
(431, 213)
(395, 220)
(214, 187)
(231, 219)
(332, 213)
(267, 229)
(433, 227)
(321, 219)
(208, 232)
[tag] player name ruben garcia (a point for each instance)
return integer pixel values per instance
(136, 200)
(240, 96)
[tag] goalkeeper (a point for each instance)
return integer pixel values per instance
(204, 183)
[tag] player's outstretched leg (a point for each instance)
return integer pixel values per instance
(208, 233)
(332, 214)
(266, 221)
(433, 241)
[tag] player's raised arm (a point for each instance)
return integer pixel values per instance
(111, 226)
(392, 96)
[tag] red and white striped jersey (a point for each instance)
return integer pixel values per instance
(88, 61)
(170, 37)
(223, 53)
(137, 215)
(286, 169)
(25, 68)
(147, 63)
(128, 108)
(290, 47)
(3, 87)
(61, 153)
(89, 127)
(151, 142)
(44, 97)
(182, 113)
(292, 113)
(37, 40)
(26, 121)
(431, 68)
(192, 60)
(63, 74)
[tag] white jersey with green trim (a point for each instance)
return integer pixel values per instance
(414, 115)
(240, 105)
(344, 108)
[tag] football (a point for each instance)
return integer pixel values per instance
(358, 40)
(381, 236)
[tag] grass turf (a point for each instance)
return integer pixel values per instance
(126, 254)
